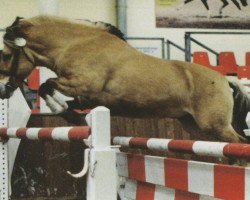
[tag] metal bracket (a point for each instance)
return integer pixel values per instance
(88, 141)
(85, 166)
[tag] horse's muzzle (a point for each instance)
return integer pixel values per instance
(6, 91)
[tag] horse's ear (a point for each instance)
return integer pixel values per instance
(17, 20)
(17, 29)
(14, 27)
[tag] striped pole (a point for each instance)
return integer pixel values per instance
(57, 133)
(142, 190)
(214, 180)
(202, 148)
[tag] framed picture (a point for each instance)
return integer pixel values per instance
(219, 14)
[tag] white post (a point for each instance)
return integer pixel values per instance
(102, 175)
(12, 114)
(4, 180)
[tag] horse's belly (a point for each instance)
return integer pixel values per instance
(155, 109)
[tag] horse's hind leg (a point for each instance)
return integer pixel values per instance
(205, 4)
(207, 132)
(225, 3)
(236, 3)
(228, 134)
(189, 125)
(217, 123)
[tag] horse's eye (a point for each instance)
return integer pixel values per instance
(6, 57)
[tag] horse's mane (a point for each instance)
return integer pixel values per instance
(14, 30)
(106, 26)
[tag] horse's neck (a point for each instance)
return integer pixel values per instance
(54, 43)
(41, 59)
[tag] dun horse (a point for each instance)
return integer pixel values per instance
(97, 67)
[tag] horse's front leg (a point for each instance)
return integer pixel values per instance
(54, 98)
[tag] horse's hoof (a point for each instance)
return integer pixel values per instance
(44, 90)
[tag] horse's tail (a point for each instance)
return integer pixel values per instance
(241, 105)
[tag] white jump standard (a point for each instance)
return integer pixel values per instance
(100, 159)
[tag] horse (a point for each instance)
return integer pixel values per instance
(97, 66)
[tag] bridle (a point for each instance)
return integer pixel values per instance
(17, 47)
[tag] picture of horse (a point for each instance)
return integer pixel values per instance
(225, 3)
(222, 14)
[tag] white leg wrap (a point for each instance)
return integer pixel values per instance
(54, 106)
(57, 102)
(60, 99)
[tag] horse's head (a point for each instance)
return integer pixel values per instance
(16, 60)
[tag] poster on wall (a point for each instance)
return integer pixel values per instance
(153, 47)
(218, 14)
